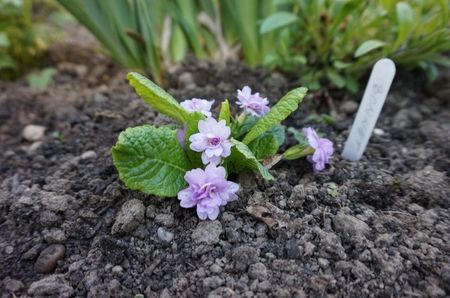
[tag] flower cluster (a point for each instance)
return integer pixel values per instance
(208, 189)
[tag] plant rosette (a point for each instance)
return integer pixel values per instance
(194, 161)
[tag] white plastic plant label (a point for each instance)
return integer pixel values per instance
(374, 96)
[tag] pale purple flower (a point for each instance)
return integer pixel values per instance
(252, 104)
(208, 190)
(198, 105)
(323, 149)
(212, 140)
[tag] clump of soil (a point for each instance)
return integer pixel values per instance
(68, 227)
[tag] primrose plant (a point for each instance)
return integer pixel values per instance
(195, 160)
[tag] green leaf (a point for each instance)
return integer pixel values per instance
(368, 46)
(239, 130)
(284, 107)
(4, 40)
(242, 158)
(151, 160)
(192, 128)
(157, 98)
(277, 20)
(225, 112)
(335, 78)
(298, 136)
(268, 143)
(264, 146)
(42, 79)
(405, 22)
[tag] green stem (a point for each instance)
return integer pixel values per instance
(298, 151)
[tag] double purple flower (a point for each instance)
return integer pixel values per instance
(323, 149)
(208, 190)
(252, 104)
(211, 140)
(198, 105)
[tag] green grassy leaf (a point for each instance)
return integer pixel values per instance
(225, 112)
(151, 160)
(242, 158)
(157, 98)
(284, 107)
(277, 21)
(368, 46)
(405, 23)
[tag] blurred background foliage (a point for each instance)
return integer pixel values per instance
(27, 28)
(321, 42)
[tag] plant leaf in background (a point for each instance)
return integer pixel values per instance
(368, 46)
(283, 108)
(41, 79)
(151, 160)
(157, 98)
(277, 20)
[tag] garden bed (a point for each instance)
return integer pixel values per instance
(377, 227)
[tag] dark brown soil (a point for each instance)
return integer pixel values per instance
(375, 228)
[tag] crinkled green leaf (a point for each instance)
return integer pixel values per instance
(151, 160)
(157, 98)
(242, 158)
(268, 143)
(284, 107)
(225, 112)
(192, 128)
(264, 146)
(368, 46)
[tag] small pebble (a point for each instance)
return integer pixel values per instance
(33, 132)
(117, 269)
(9, 250)
(378, 132)
(89, 155)
(164, 235)
(47, 260)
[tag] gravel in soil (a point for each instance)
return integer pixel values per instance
(68, 227)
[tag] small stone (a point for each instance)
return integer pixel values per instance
(33, 132)
(349, 107)
(117, 269)
(378, 132)
(323, 263)
(215, 268)
(243, 256)
(89, 155)
(164, 235)
(258, 271)
(12, 285)
(54, 235)
(129, 217)
(212, 282)
(9, 249)
(350, 225)
(55, 202)
(47, 260)
(207, 232)
(166, 220)
(51, 286)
